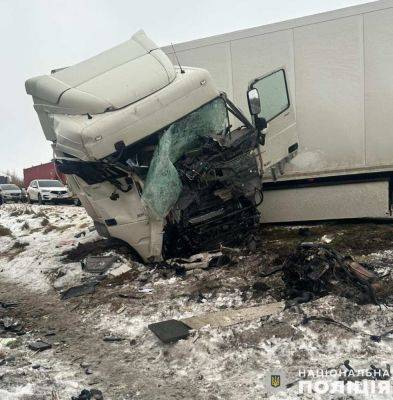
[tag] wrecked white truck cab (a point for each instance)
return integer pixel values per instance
(148, 148)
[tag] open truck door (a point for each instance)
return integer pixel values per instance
(274, 116)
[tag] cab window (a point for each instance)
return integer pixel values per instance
(273, 94)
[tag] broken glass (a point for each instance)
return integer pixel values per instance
(163, 185)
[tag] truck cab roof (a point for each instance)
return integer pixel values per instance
(109, 81)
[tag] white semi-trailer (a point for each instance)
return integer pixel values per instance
(338, 67)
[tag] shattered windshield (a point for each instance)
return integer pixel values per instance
(163, 184)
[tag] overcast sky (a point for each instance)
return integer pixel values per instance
(39, 35)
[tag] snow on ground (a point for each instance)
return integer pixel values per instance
(39, 235)
(213, 363)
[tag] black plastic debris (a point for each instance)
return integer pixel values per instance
(80, 234)
(81, 290)
(92, 394)
(170, 331)
(98, 264)
(112, 339)
(39, 345)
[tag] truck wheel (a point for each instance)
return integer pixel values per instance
(40, 201)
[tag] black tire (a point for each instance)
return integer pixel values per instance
(28, 199)
(77, 202)
(40, 201)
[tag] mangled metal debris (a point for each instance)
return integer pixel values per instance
(315, 269)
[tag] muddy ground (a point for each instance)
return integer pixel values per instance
(212, 363)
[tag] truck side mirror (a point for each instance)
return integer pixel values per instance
(254, 101)
(254, 104)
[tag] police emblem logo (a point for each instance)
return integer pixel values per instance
(275, 381)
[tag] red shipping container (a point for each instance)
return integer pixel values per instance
(42, 171)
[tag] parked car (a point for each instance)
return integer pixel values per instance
(10, 192)
(48, 190)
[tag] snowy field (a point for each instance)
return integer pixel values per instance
(212, 363)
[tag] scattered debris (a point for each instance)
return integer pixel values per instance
(146, 290)
(122, 269)
(11, 325)
(173, 330)
(112, 339)
(80, 234)
(98, 264)
(80, 290)
(170, 331)
(327, 239)
(92, 394)
(317, 269)
(200, 261)
(39, 345)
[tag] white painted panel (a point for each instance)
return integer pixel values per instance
(378, 35)
(214, 58)
(330, 95)
(355, 200)
(258, 55)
